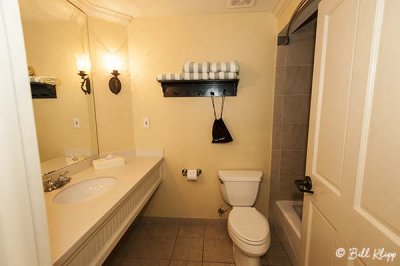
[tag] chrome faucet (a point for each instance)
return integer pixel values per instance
(50, 184)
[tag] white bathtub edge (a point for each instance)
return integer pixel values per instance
(288, 227)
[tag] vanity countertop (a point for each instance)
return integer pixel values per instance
(69, 224)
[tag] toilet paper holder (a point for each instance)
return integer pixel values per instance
(184, 172)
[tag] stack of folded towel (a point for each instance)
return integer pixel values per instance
(224, 70)
(196, 71)
(43, 79)
(204, 71)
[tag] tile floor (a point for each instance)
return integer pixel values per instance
(183, 242)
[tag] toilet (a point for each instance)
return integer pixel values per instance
(247, 227)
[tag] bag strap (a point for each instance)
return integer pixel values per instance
(222, 105)
(212, 100)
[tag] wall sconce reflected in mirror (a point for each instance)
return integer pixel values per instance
(83, 65)
(113, 63)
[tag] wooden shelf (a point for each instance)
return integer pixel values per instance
(43, 91)
(199, 88)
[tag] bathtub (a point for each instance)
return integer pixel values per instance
(288, 226)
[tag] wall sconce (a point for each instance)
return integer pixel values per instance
(113, 63)
(115, 84)
(83, 65)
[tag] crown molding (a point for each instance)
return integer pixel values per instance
(94, 10)
(279, 7)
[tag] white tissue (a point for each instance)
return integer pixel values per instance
(108, 162)
(191, 174)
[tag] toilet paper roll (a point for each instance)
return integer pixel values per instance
(191, 174)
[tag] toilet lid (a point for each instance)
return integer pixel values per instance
(248, 224)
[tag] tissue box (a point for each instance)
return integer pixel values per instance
(107, 162)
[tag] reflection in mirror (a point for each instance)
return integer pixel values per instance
(56, 35)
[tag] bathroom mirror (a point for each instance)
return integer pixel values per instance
(56, 37)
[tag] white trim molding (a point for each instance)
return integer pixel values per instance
(23, 226)
(95, 10)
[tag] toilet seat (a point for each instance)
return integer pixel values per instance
(248, 225)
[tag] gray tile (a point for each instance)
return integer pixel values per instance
(279, 80)
(136, 244)
(188, 249)
(165, 229)
(296, 109)
(217, 264)
(263, 260)
(281, 55)
(275, 162)
(276, 136)
(298, 80)
(159, 248)
(191, 230)
(294, 137)
(140, 228)
(274, 188)
(146, 262)
(278, 109)
(185, 263)
(288, 190)
(274, 234)
(300, 51)
(292, 163)
(216, 230)
(278, 261)
(218, 250)
(276, 250)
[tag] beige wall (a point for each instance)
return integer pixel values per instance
(113, 112)
(182, 126)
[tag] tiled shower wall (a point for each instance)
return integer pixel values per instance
(294, 68)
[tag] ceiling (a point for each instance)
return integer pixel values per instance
(162, 8)
(47, 10)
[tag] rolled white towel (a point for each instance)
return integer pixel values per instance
(195, 76)
(161, 77)
(192, 67)
(223, 75)
(231, 66)
(43, 79)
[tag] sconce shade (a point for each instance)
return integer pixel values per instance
(83, 63)
(115, 84)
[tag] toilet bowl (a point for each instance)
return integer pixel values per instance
(249, 231)
(247, 227)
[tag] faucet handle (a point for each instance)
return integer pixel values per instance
(64, 176)
(65, 173)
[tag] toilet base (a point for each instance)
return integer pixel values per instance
(242, 259)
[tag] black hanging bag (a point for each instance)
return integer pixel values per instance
(220, 133)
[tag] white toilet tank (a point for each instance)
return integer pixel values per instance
(239, 187)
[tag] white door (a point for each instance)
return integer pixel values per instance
(354, 139)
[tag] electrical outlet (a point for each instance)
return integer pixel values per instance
(76, 123)
(146, 122)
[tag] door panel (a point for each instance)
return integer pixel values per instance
(354, 138)
(321, 238)
(333, 103)
(382, 152)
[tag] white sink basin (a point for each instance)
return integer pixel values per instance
(85, 190)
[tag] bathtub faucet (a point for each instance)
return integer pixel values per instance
(50, 184)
